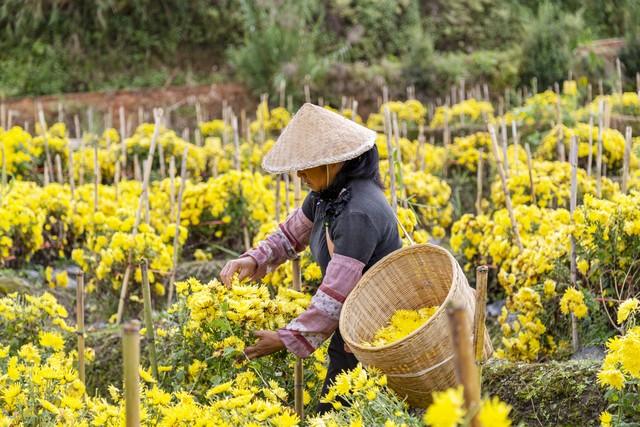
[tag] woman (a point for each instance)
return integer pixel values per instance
(345, 219)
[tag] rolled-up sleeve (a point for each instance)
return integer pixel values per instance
(291, 237)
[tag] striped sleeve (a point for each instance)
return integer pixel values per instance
(309, 330)
(291, 237)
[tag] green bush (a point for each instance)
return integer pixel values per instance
(547, 45)
(374, 28)
(283, 42)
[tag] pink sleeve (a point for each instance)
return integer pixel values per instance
(291, 237)
(309, 330)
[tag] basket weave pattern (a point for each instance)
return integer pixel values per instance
(409, 278)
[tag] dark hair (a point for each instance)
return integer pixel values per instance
(365, 166)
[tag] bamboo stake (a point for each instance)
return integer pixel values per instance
(307, 91)
(619, 72)
(141, 201)
(627, 157)
(76, 122)
(589, 93)
(398, 151)
(131, 362)
(505, 144)
(466, 370)
(3, 113)
(600, 87)
(59, 174)
(385, 94)
(480, 314)
(575, 342)
(479, 178)
(420, 160)
(277, 210)
(287, 207)
(116, 179)
(4, 167)
(148, 317)
(137, 174)
(236, 142)
(123, 135)
(80, 323)
(505, 188)
(45, 137)
(172, 185)
(599, 152)
(573, 158)
(163, 171)
(390, 149)
(297, 285)
(590, 155)
(176, 240)
(96, 175)
(46, 175)
(530, 167)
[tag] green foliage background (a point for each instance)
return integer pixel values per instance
(54, 46)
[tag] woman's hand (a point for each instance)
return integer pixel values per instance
(268, 342)
(245, 267)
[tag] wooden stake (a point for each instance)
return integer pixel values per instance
(599, 152)
(176, 240)
(479, 178)
(116, 179)
(236, 142)
(385, 94)
(131, 364)
(619, 71)
(137, 174)
(505, 144)
(45, 137)
(479, 318)
(80, 323)
(76, 122)
(392, 175)
(59, 174)
(505, 188)
(277, 210)
(123, 136)
(307, 91)
(420, 158)
(573, 158)
(298, 382)
(172, 185)
(163, 170)
(141, 202)
(590, 155)
(96, 175)
(466, 370)
(530, 167)
(627, 157)
(148, 318)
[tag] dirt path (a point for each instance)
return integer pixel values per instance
(178, 101)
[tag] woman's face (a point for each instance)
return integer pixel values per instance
(316, 178)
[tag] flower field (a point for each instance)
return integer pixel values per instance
(560, 233)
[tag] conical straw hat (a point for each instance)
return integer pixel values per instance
(315, 137)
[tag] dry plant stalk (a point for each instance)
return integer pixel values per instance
(148, 317)
(80, 324)
(627, 157)
(505, 188)
(157, 113)
(176, 241)
(297, 285)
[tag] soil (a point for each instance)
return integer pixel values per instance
(178, 102)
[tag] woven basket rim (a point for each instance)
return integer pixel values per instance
(380, 264)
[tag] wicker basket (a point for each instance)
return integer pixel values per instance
(409, 278)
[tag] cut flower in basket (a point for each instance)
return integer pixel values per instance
(401, 324)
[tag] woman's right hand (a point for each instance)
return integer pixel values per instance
(245, 267)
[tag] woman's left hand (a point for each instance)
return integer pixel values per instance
(268, 342)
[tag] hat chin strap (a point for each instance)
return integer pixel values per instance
(327, 166)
